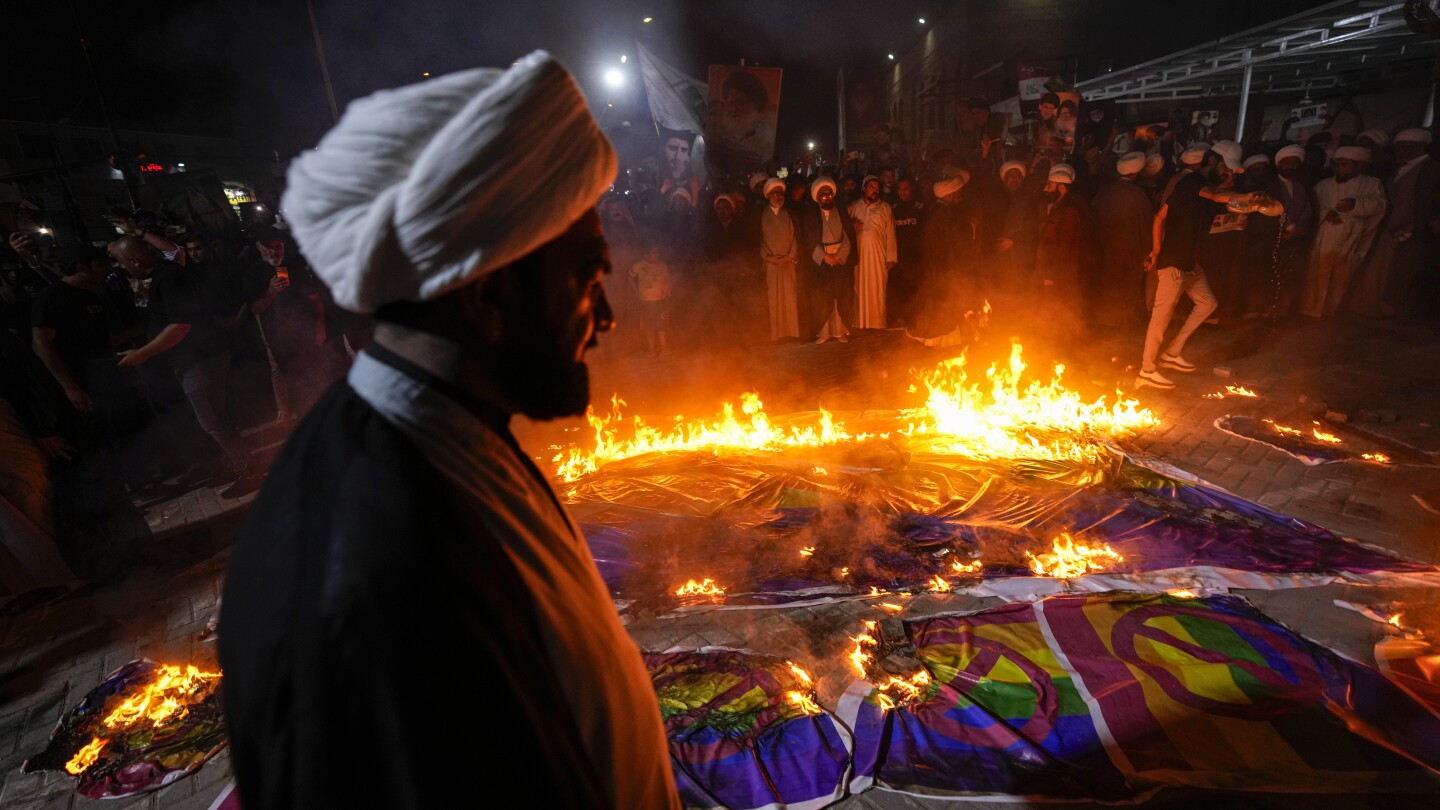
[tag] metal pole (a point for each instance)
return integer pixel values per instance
(1244, 99)
(324, 66)
(840, 102)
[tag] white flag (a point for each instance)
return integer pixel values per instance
(676, 100)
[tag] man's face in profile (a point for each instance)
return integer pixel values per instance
(553, 307)
(677, 156)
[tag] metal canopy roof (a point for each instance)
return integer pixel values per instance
(1342, 45)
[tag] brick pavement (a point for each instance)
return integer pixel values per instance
(51, 656)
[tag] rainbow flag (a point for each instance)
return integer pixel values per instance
(737, 740)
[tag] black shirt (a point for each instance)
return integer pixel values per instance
(181, 296)
(82, 327)
(909, 219)
(1186, 218)
(290, 321)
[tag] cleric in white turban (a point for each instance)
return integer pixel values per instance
(1130, 164)
(403, 536)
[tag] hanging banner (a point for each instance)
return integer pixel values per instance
(743, 107)
(678, 107)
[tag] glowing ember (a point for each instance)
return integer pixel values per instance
(874, 591)
(858, 657)
(808, 551)
(1182, 593)
(890, 606)
(1326, 437)
(1395, 620)
(1376, 457)
(939, 585)
(803, 702)
(1240, 391)
(1289, 431)
(845, 572)
(705, 588)
(799, 673)
(86, 756)
(1071, 559)
(819, 471)
(163, 700)
(967, 568)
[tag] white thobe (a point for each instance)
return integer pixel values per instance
(1340, 247)
(875, 234)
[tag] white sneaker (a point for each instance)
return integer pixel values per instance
(1175, 362)
(1153, 379)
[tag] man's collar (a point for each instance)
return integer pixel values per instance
(494, 418)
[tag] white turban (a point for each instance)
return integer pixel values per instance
(772, 184)
(1130, 163)
(1291, 151)
(1413, 136)
(1255, 160)
(1154, 164)
(868, 178)
(820, 183)
(944, 188)
(756, 179)
(1062, 173)
(1376, 136)
(1357, 153)
(1012, 164)
(1194, 154)
(422, 189)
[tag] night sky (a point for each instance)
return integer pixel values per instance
(249, 69)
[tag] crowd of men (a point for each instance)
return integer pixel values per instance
(138, 363)
(1091, 225)
(127, 374)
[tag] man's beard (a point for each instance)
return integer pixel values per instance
(545, 384)
(828, 204)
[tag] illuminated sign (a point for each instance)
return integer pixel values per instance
(151, 167)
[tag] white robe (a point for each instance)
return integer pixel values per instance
(778, 240)
(875, 234)
(1340, 247)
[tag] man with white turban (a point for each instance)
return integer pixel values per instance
(780, 254)
(877, 252)
(1190, 160)
(948, 253)
(828, 258)
(1123, 215)
(1351, 205)
(407, 579)
(1401, 275)
(1059, 246)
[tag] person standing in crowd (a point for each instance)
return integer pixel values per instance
(1123, 231)
(1059, 249)
(1400, 277)
(877, 253)
(1222, 243)
(182, 327)
(1015, 249)
(780, 252)
(950, 284)
(1190, 160)
(829, 259)
(906, 276)
(650, 280)
(288, 304)
(404, 536)
(1351, 205)
(1381, 164)
(1292, 256)
(1176, 236)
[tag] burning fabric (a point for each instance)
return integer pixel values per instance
(1106, 697)
(745, 731)
(144, 727)
(1313, 445)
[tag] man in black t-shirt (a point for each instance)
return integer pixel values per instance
(182, 326)
(1187, 215)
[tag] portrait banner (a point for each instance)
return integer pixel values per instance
(743, 108)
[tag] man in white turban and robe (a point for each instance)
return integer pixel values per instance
(1351, 205)
(408, 593)
(780, 252)
(877, 251)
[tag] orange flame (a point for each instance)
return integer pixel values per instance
(799, 673)
(803, 702)
(705, 588)
(1377, 457)
(1289, 431)
(1071, 559)
(1005, 416)
(1240, 391)
(86, 756)
(1182, 593)
(967, 568)
(1326, 437)
(891, 606)
(164, 699)
(808, 551)
(939, 585)
(1395, 620)
(845, 572)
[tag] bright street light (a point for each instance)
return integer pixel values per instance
(647, 19)
(810, 145)
(890, 56)
(922, 20)
(623, 57)
(614, 78)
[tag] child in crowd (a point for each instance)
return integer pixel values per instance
(650, 279)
